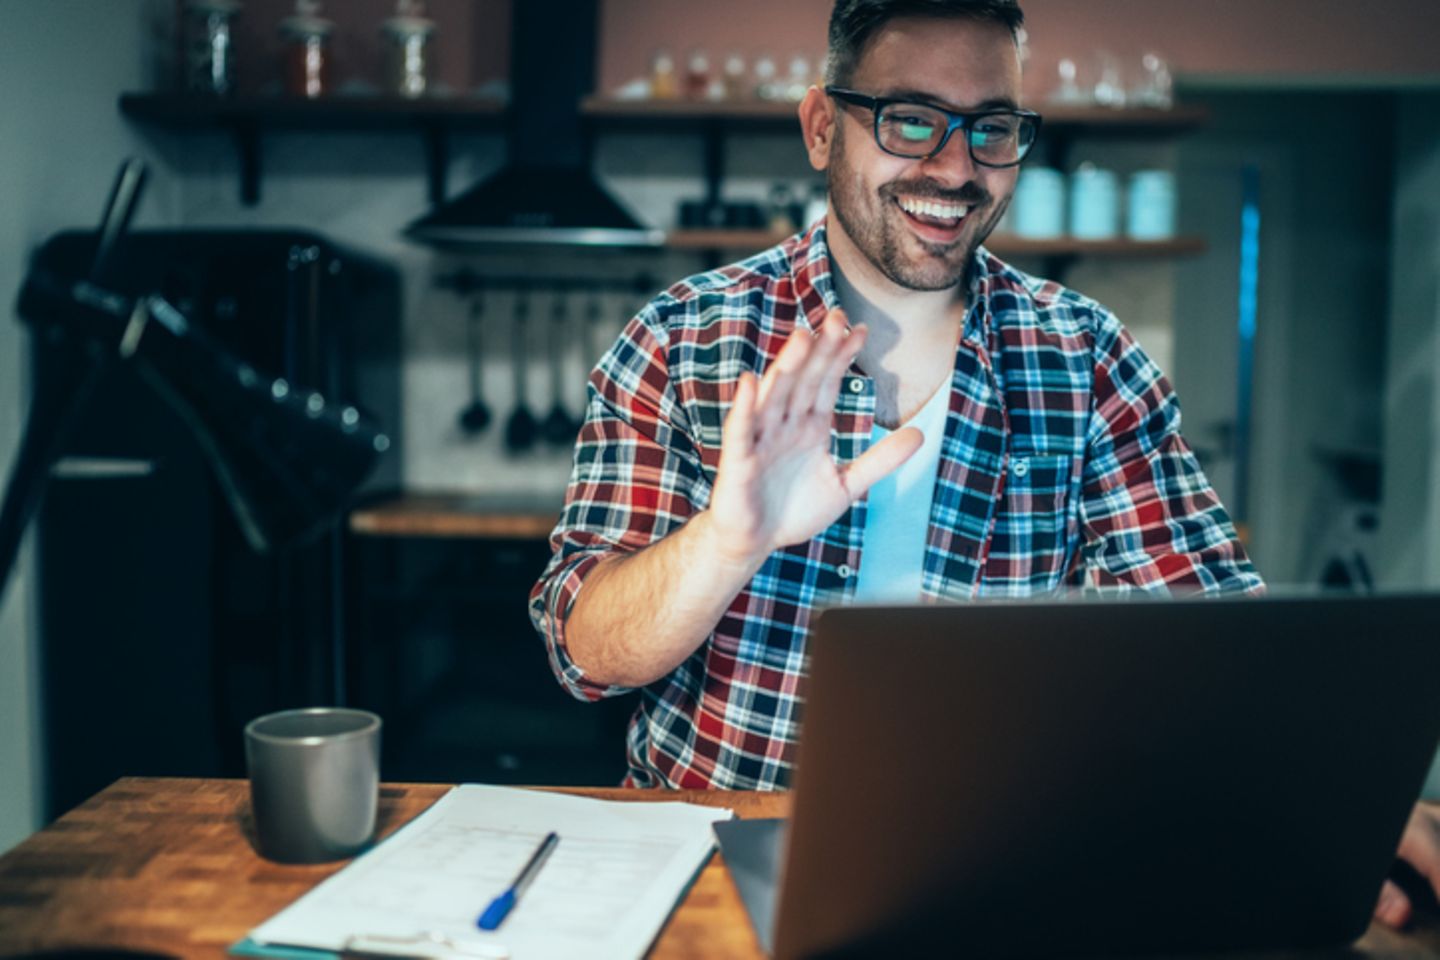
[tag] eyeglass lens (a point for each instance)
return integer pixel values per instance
(915, 130)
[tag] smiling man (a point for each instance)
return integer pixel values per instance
(876, 409)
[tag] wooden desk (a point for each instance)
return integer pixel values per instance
(166, 866)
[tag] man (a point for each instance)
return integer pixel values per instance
(875, 409)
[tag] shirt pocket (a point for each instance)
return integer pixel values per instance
(1035, 524)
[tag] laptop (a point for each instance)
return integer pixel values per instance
(1097, 778)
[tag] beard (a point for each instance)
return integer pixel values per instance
(875, 224)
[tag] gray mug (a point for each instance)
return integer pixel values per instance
(314, 782)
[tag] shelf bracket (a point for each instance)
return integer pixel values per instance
(437, 162)
(247, 145)
(714, 134)
(1056, 266)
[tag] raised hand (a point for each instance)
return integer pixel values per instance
(777, 483)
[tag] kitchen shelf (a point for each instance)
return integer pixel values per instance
(456, 515)
(1006, 245)
(716, 119)
(1129, 121)
(1013, 246)
(247, 118)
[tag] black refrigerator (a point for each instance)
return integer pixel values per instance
(160, 631)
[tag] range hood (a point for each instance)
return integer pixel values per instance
(546, 194)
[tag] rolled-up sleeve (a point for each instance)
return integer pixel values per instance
(637, 476)
(1150, 518)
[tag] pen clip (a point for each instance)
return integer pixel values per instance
(430, 945)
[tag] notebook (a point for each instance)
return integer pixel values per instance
(617, 872)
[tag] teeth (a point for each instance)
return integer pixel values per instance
(931, 208)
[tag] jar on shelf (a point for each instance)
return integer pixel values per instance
(209, 53)
(767, 81)
(407, 55)
(306, 37)
(697, 75)
(1094, 203)
(663, 83)
(735, 77)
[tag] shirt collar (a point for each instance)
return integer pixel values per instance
(815, 284)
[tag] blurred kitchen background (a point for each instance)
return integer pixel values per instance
(1254, 187)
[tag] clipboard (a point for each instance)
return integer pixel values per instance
(618, 872)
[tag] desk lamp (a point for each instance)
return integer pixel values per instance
(287, 460)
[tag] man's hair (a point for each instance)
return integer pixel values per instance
(854, 22)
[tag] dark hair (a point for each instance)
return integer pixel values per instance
(854, 22)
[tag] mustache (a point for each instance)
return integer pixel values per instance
(970, 194)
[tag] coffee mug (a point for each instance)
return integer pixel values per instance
(314, 782)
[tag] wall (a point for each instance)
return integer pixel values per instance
(1274, 40)
(1319, 348)
(1410, 524)
(62, 141)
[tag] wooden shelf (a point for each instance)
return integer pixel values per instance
(1005, 245)
(247, 118)
(1012, 246)
(183, 110)
(1130, 121)
(456, 515)
(739, 111)
(755, 240)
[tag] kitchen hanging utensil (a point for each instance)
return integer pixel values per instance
(559, 428)
(475, 416)
(521, 428)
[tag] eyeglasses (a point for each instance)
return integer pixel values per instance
(918, 131)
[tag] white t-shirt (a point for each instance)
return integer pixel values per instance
(897, 513)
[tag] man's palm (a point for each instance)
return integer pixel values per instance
(777, 483)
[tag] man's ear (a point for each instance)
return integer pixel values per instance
(817, 124)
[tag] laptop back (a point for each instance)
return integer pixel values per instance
(1103, 778)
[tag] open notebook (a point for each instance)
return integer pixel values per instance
(617, 873)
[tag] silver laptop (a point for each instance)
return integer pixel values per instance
(1097, 778)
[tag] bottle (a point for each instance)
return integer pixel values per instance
(697, 75)
(799, 79)
(663, 84)
(209, 54)
(767, 86)
(734, 77)
(407, 36)
(307, 54)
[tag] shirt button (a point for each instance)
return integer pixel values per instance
(857, 385)
(844, 571)
(1022, 468)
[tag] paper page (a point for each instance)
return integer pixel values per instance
(606, 891)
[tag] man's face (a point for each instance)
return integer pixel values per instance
(919, 221)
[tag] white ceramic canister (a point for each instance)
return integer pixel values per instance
(1094, 203)
(1038, 210)
(1150, 208)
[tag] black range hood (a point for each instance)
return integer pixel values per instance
(546, 194)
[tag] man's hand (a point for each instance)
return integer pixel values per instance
(777, 483)
(1419, 847)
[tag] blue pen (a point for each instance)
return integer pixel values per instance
(501, 906)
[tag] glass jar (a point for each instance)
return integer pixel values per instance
(306, 38)
(407, 58)
(209, 53)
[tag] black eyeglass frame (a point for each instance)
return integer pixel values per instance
(954, 121)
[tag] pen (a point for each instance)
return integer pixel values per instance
(501, 906)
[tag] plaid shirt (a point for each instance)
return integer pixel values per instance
(1062, 465)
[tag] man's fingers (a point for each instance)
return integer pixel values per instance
(847, 349)
(881, 459)
(779, 381)
(1420, 844)
(828, 346)
(738, 435)
(1394, 908)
